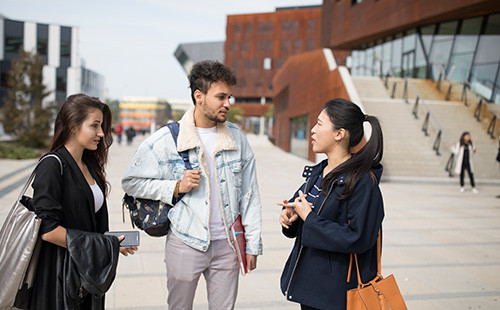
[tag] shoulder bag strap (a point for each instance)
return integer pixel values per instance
(32, 176)
(174, 129)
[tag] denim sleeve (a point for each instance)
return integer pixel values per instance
(144, 177)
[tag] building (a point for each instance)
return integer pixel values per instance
(448, 39)
(58, 46)
(257, 46)
(144, 113)
(179, 107)
(190, 53)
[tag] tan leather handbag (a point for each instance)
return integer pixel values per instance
(380, 293)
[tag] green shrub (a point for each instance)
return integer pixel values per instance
(11, 150)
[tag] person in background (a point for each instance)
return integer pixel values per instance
(464, 150)
(337, 211)
(119, 132)
(221, 187)
(75, 200)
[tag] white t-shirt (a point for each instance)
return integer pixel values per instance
(98, 196)
(208, 138)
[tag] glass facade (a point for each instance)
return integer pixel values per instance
(461, 50)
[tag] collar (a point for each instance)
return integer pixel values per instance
(188, 138)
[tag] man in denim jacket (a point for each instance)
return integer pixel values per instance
(221, 186)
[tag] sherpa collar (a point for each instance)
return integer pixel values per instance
(188, 138)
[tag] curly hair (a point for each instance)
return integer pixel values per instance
(206, 72)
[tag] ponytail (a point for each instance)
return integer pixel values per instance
(345, 114)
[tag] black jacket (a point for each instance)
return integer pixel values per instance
(89, 267)
(68, 201)
(316, 271)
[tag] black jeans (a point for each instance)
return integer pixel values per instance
(462, 175)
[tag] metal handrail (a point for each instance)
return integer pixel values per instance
(478, 110)
(441, 136)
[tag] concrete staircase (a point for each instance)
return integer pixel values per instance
(407, 151)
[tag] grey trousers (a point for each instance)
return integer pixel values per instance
(185, 265)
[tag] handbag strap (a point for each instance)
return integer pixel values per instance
(379, 261)
(32, 176)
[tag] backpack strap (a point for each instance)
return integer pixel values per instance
(174, 129)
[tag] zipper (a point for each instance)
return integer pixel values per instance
(287, 292)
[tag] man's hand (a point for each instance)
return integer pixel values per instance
(190, 180)
(251, 262)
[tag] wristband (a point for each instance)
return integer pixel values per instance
(176, 190)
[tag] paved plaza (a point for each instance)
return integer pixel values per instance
(443, 246)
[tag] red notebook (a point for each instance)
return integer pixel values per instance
(238, 237)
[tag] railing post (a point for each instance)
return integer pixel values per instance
(449, 165)
(464, 95)
(448, 94)
(439, 81)
(425, 126)
(415, 108)
(405, 91)
(437, 143)
(386, 82)
(394, 89)
(491, 127)
(477, 112)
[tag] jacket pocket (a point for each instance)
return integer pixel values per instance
(235, 173)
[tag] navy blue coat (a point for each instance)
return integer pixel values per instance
(316, 271)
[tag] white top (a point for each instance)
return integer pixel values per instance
(98, 196)
(208, 138)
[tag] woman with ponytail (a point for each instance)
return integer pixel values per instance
(338, 210)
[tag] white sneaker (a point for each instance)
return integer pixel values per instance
(475, 191)
(462, 189)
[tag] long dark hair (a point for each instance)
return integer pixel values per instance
(462, 138)
(347, 115)
(71, 116)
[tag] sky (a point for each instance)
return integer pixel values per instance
(132, 42)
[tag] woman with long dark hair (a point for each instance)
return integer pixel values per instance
(338, 211)
(464, 150)
(72, 198)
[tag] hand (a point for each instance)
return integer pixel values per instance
(301, 206)
(126, 250)
(190, 180)
(251, 262)
(287, 216)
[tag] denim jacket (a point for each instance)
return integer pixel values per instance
(157, 166)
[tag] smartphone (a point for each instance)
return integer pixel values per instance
(131, 237)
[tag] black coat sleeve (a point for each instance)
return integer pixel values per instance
(365, 214)
(48, 194)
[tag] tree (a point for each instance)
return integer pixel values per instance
(114, 106)
(23, 112)
(234, 115)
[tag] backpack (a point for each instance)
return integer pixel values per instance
(152, 215)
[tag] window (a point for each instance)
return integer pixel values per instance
(42, 38)
(244, 46)
(285, 45)
(310, 44)
(14, 36)
(237, 28)
(233, 46)
(267, 63)
(311, 25)
(65, 51)
(249, 28)
(297, 45)
(290, 25)
(265, 27)
(265, 45)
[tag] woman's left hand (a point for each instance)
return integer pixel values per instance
(301, 206)
(128, 250)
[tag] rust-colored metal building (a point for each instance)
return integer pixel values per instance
(257, 46)
(459, 39)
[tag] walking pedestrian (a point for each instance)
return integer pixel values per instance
(336, 212)
(464, 150)
(221, 186)
(73, 201)
(119, 133)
